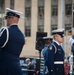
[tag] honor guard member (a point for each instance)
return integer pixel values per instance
(55, 57)
(48, 41)
(11, 44)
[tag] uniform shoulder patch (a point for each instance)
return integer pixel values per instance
(50, 47)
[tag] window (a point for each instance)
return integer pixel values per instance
(41, 11)
(68, 9)
(54, 2)
(68, 1)
(54, 10)
(2, 11)
(28, 3)
(40, 25)
(68, 27)
(40, 15)
(53, 27)
(27, 31)
(73, 6)
(40, 28)
(1, 22)
(28, 18)
(2, 7)
(40, 2)
(12, 4)
(28, 12)
(73, 19)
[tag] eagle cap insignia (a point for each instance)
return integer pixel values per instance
(50, 48)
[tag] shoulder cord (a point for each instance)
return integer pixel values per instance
(6, 38)
(54, 47)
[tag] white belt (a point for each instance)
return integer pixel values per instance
(58, 62)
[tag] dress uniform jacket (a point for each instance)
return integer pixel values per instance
(55, 59)
(9, 55)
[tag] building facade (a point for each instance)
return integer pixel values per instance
(40, 16)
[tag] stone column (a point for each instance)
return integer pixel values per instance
(19, 6)
(61, 17)
(7, 4)
(47, 17)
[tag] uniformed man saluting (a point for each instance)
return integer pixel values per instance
(55, 57)
(11, 44)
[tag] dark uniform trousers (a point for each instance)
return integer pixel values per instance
(9, 55)
(55, 58)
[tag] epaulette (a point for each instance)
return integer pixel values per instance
(50, 47)
(7, 32)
